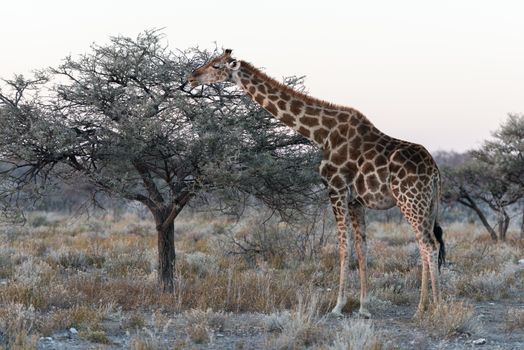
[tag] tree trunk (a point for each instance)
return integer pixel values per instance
(522, 224)
(503, 224)
(471, 204)
(166, 251)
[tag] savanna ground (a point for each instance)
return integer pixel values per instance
(251, 284)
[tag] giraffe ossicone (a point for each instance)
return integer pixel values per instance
(361, 166)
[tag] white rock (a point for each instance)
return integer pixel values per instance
(521, 262)
(480, 341)
(73, 330)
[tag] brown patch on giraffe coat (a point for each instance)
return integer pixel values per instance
(288, 119)
(304, 132)
(273, 97)
(371, 137)
(331, 112)
(363, 129)
(337, 182)
(380, 160)
(349, 170)
(320, 135)
(360, 186)
(244, 81)
(252, 90)
(262, 89)
(296, 107)
(282, 105)
(382, 173)
(343, 117)
(367, 168)
(271, 108)
(259, 98)
(312, 110)
(329, 122)
(354, 151)
(327, 170)
(370, 153)
(309, 121)
(271, 89)
(340, 155)
(285, 96)
(372, 182)
(335, 138)
(354, 121)
(410, 167)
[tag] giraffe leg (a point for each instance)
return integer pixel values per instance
(339, 204)
(424, 297)
(433, 273)
(429, 257)
(358, 221)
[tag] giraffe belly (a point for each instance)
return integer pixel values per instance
(378, 201)
(375, 200)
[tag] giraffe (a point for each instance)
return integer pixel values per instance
(361, 167)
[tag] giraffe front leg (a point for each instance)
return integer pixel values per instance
(357, 215)
(339, 204)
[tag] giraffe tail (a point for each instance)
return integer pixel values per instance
(439, 235)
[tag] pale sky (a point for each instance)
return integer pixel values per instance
(440, 73)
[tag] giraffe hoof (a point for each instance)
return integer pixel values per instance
(418, 315)
(364, 313)
(336, 312)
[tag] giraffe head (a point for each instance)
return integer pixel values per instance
(217, 70)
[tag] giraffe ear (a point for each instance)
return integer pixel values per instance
(228, 52)
(234, 65)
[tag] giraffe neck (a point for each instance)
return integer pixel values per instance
(312, 118)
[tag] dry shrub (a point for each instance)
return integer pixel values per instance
(399, 288)
(357, 335)
(95, 336)
(141, 342)
(80, 317)
(492, 284)
(201, 325)
(514, 319)
(17, 322)
(27, 295)
(449, 318)
(394, 258)
(233, 290)
(302, 328)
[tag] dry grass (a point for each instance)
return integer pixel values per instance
(514, 319)
(357, 335)
(56, 274)
(450, 318)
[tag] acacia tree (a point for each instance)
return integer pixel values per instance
(505, 153)
(118, 119)
(491, 177)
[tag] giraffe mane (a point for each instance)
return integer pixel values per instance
(294, 93)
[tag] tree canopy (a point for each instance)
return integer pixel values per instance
(117, 118)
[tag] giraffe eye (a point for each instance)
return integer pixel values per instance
(215, 66)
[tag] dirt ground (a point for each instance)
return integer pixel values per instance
(247, 331)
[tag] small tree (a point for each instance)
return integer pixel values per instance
(117, 118)
(491, 177)
(505, 153)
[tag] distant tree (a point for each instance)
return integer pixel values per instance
(491, 177)
(117, 119)
(505, 154)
